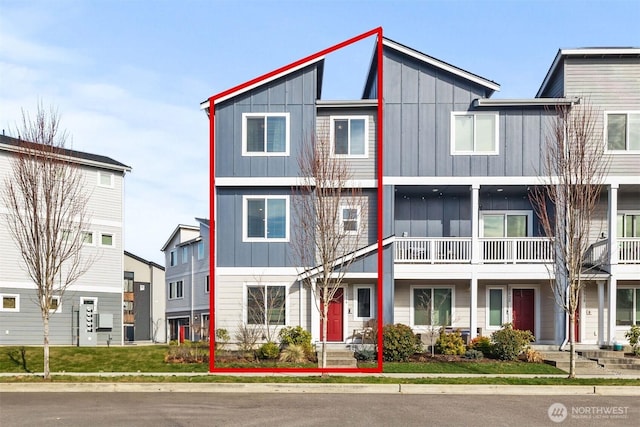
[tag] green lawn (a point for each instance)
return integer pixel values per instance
(469, 368)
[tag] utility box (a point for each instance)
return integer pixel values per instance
(105, 321)
(87, 330)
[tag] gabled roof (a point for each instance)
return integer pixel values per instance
(584, 52)
(142, 260)
(490, 85)
(176, 231)
(8, 143)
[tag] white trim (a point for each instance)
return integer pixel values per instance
(109, 175)
(475, 152)
(412, 324)
(535, 102)
(265, 153)
(492, 180)
(372, 301)
(200, 250)
(505, 213)
(316, 323)
(349, 118)
(536, 305)
(113, 240)
(245, 225)
(605, 133)
(258, 271)
(10, 310)
(442, 65)
(184, 254)
(636, 289)
(266, 181)
(266, 285)
(176, 297)
(357, 220)
(83, 300)
(58, 308)
(487, 310)
(173, 257)
(93, 238)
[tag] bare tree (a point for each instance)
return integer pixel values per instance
(266, 307)
(574, 168)
(331, 222)
(47, 212)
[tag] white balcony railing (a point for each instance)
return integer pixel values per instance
(433, 250)
(629, 250)
(522, 250)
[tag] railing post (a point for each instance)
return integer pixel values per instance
(475, 223)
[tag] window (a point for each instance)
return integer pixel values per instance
(106, 239)
(87, 238)
(627, 306)
(185, 254)
(173, 258)
(265, 134)
(623, 131)
(350, 220)
(266, 305)
(506, 224)
(349, 136)
(364, 302)
(474, 133)
(90, 300)
(628, 225)
(10, 302)
(266, 218)
(206, 284)
(495, 309)
(431, 306)
(55, 305)
(175, 290)
(201, 250)
(105, 179)
(128, 281)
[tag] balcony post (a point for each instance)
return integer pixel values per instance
(475, 223)
(611, 327)
(601, 319)
(613, 225)
(473, 308)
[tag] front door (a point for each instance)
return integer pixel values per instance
(523, 310)
(335, 317)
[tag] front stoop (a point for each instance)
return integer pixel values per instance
(584, 366)
(338, 358)
(614, 360)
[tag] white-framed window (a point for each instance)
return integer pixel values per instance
(107, 240)
(90, 300)
(627, 306)
(105, 179)
(200, 250)
(185, 254)
(349, 136)
(628, 224)
(10, 302)
(363, 302)
(173, 258)
(623, 130)
(496, 307)
(206, 284)
(431, 306)
(265, 304)
(506, 223)
(176, 290)
(474, 133)
(349, 219)
(265, 218)
(129, 277)
(87, 238)
(56, 304)
(265, 134)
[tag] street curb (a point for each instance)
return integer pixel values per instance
(532, 390)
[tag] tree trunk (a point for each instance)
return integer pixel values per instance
(47, 373)
(325, 315)
(572, 347)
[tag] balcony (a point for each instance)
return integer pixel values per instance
(427, 250)
(629, 250)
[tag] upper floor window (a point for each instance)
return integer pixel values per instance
(128, 281)
(628, 225)
(173, 258)
(106, 239)
(176, 290)
(55, 306)
(474, 133)
(87, 237)
(265, 218)
(206, 284)
(9, 302)
(349, 136)
(200, 249)
(349, 220)
(623, 131)
(185, 254)
(105, 179)
(506, 224)
(265, 134)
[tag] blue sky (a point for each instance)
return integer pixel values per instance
(128, 76)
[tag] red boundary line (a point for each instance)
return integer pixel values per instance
(212, 206)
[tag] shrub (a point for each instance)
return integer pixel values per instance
(473, 354)
(450, 343)
(482, 344)
(365, 354)
(633, 335)
(509, 342)
(532, 356)
(399, 343)
(269, 350)
(247, 336)
(294, 353)
(222, 339)
(296, 336)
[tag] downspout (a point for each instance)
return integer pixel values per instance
(191, 320)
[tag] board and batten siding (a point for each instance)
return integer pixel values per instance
(294, 94)
(609, 84)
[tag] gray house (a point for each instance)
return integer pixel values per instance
(462, 246)
(187, 282)
(99, 289)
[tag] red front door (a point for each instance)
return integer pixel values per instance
(335, 317)
(523, 310)
(576, 326)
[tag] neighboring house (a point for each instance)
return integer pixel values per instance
(143, 300)
(462, 245)
(187, 281)
(100, 287)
